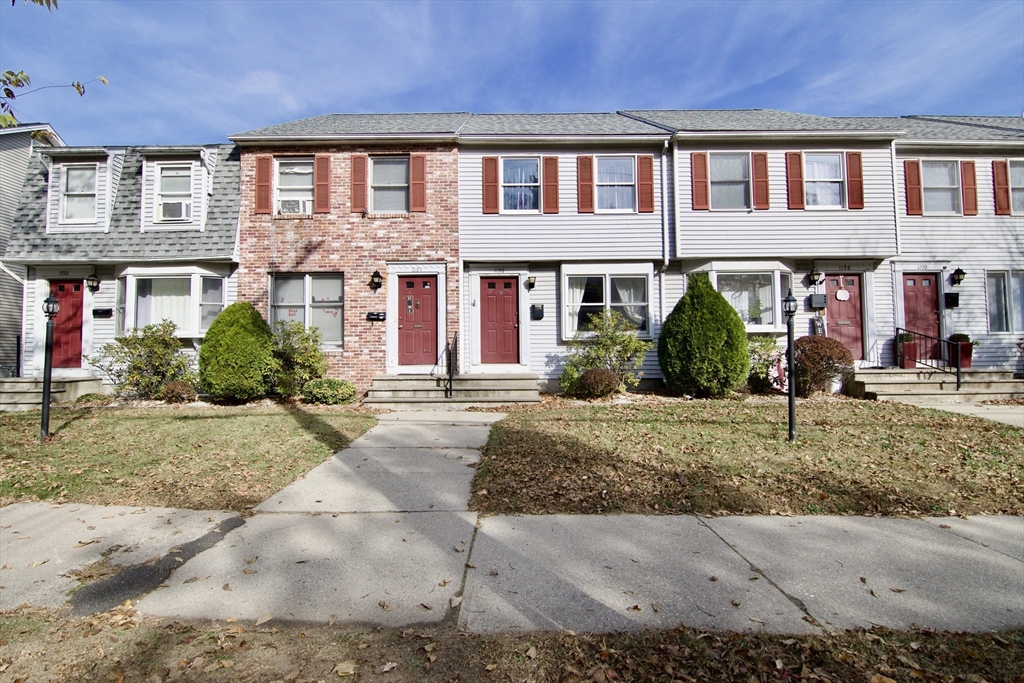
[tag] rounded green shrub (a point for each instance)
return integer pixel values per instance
(597, 383)
(328, 391)
(236, 360)
(178, 392)
(142, 361)
(819, 361)
(702, 349)
(299, 358)
(611, 342)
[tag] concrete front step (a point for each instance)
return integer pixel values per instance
(925, 374)
(404, 391)
(26, 393)
(439, 404)
(925, 397)
(927, 385)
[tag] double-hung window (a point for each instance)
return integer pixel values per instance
(616, 186)
(1006, 301)
(174, 195)
(590, 290)
(315, 300)
(730, 180)
(148, 296)
(520, 184)
(389, 184)
(940, 183)
(823, 180)
(755, 296)
(78, 194)
(294, 186)
(1017, 187)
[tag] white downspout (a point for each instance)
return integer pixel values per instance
(664, 235)
(895, 200)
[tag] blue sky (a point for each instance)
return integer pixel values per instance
(190, 72)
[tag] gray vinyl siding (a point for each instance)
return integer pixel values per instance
(103, 331)
(567, 235)
(15, 150)
(10, 318)
(976, 244)
(779, 232)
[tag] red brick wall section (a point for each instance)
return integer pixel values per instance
(353, 244)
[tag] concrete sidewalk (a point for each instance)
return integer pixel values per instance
(1007, 414)
(380, 534)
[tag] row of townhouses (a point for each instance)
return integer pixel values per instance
(398, 234)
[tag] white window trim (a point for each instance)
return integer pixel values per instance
(371, 210)
(844, 181)
(597, 185)
(750, 183)
(277, 183)
(1009, 184)
(157, 194)
(396, 269)
(61, 220)
(307, 302)
(959, 194)
(540, 185)
(195, 273)
(606, 270)
(1006, 275)
(775, 269)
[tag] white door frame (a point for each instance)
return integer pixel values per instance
(521, 271)
(396, 269)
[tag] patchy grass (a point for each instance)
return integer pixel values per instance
(669, 456)
(122, 646)
(200, 457)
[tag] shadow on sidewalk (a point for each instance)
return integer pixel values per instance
(317, 428)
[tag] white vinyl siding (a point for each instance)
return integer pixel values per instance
(565, 236)
(170, 187)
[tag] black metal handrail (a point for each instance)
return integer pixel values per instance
(452, 357)
(949, 352)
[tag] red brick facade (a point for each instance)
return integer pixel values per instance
(354, 244)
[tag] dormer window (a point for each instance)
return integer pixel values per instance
(175, 193)
(78, 194)
(295, 186)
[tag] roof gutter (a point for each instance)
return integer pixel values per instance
(267, 140)
(776, 134)
(959, 144)
(72, 151)
(652, 139)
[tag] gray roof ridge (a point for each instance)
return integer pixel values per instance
(940, 118)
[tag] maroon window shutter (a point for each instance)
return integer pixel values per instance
(1001, 184)
(759, 162)
(585, 184)
(699, 181)
(358, 182)
(322, 184)
(491, 189)
(912, 184)
(550, 184)
(854, 180)
(795, 179)
(264, 168)
(969, 188)
(645, 183)
(417, 182)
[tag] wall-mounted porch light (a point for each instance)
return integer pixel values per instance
(531, 282)
(957, 276)
(815, 277)
(376, 280)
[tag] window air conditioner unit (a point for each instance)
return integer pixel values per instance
(175, 211)
(295, 206)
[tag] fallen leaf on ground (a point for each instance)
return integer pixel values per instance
(384, 605)
(490, 667)
(38, 563)
(252, 559)
(264, 619)
(898, 590)
(456, 600)
(346, 668)
(386, 668)
(82, 544)
(635, 608)
(226, 587)
(532, 653)
(425, 606)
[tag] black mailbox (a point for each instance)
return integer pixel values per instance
(819, 301)
(376, 316)
(103, 312)
(536, 311)
(952, 299)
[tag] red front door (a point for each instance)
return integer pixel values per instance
(844, 312)
(417, 320)
(67, 326)
(499, 320)
(921, 310)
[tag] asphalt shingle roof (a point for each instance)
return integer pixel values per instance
(124, 242)
(341, 125)
(557, 124)
(742, 120)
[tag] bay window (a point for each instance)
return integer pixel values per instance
(616, 186)
(520, 184)
(590, 290)
(189, 297)
(78, 194)
(730, 181)
(315, 300)
(1005, 301)
(755, 295)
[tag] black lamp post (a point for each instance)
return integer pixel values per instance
(789, 308)
(50, 308)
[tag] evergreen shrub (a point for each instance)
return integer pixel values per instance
(142, 361)
(236, 360)
(299, 358)
(703, 349)
(819, 361)
(611, 343)
(328, 391)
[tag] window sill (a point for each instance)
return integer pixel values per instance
(380, 216)
(739, 210)
(618, 212)
(291, 216)
(824, 208)
(79, 227)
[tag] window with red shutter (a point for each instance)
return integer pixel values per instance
(322, 184)
(795, 180)
(699, 181)
(358, 183)
(969, 188)
(759, 161)
(585, 184)
(490, 176)
(645, 183)
(912, 185)
(264, 170)
(855, 180)
(1001, 186)
(417, 182)
(550, 198)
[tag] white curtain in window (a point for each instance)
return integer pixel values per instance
(577, 285)
(629, 297)
(1017, 297)
(160, 299)
(750, 294)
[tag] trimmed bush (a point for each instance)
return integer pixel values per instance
(299, 358)
(703, 345)
(236, 360)
(818, 362)
(765, 356)
(597, 383)
(611, 344)
(141, 362)
(178, 392)
(328, 391)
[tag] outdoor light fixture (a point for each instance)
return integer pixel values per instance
(789, 308)
(957, 277)
(93, 282)
(814, 276)
(51, 307)
(531, 282)
(376, 280)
